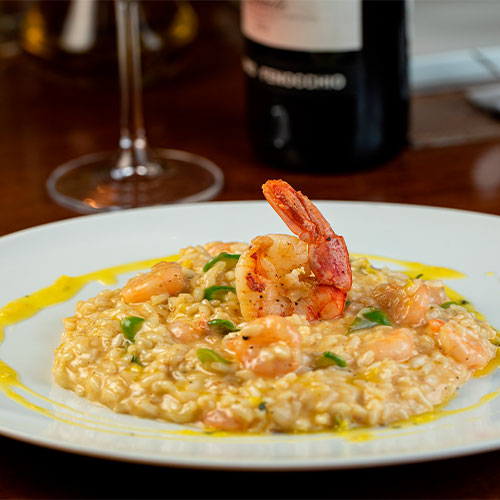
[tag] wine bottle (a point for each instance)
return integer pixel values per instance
(327, 84)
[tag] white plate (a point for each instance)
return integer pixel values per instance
(33, 259)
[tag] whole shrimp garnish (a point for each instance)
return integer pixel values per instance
(164, 277)
(282, 274)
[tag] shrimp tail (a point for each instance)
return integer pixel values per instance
(328, 255)
(330, 263)
(294, 208)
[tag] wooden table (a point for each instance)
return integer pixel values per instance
(45, 120)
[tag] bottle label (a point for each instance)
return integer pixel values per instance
(295, 80)
(304, 25)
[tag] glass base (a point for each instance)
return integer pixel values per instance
(86, 185)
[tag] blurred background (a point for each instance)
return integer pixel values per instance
(59, 88)
(455, 50)
(59, 100)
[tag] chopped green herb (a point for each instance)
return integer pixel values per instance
(369, 317)
(263, 406)
(348, 303)
(222, 326)
(210, 356)
(136, 360)
(340, 424)
(329, 359)
(377, 316)
(229, 258)
(445, 305)
(418, 276)
(217, 292)
(130, 326)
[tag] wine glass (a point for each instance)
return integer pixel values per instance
(135, 175)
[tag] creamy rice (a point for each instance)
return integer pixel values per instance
(161, 374)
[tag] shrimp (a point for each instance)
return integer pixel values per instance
(306, 274)
(437, 292)
(406, 305)
(465, 347)
(268, 346)
(186, 333)
(164, 277)
(222, 419)
(396, 344)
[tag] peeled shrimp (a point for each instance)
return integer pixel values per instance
(268, 346)
(222, 419)
(186, 333)
(164, 277)
(437, 292)
(406, 305)
(285, 275)
(396, 344)
(464, 346)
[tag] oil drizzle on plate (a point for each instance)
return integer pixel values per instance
(66, 287)
(63, 289)
(417, 269)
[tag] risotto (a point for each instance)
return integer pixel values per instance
(284, 334)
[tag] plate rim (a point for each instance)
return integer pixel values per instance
(118, 213)
(252, 464)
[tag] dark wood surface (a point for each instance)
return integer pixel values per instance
(47, 119)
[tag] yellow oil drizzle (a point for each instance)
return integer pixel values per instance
(424, 271)
(63, 289)
(490, 367)
(440, 411)
(466, 304)
(67, 287)
(9, 382)
(414, 269)
(365, 434)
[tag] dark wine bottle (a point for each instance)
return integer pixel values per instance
(327, 83)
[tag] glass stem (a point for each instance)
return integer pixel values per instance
(133, 159)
